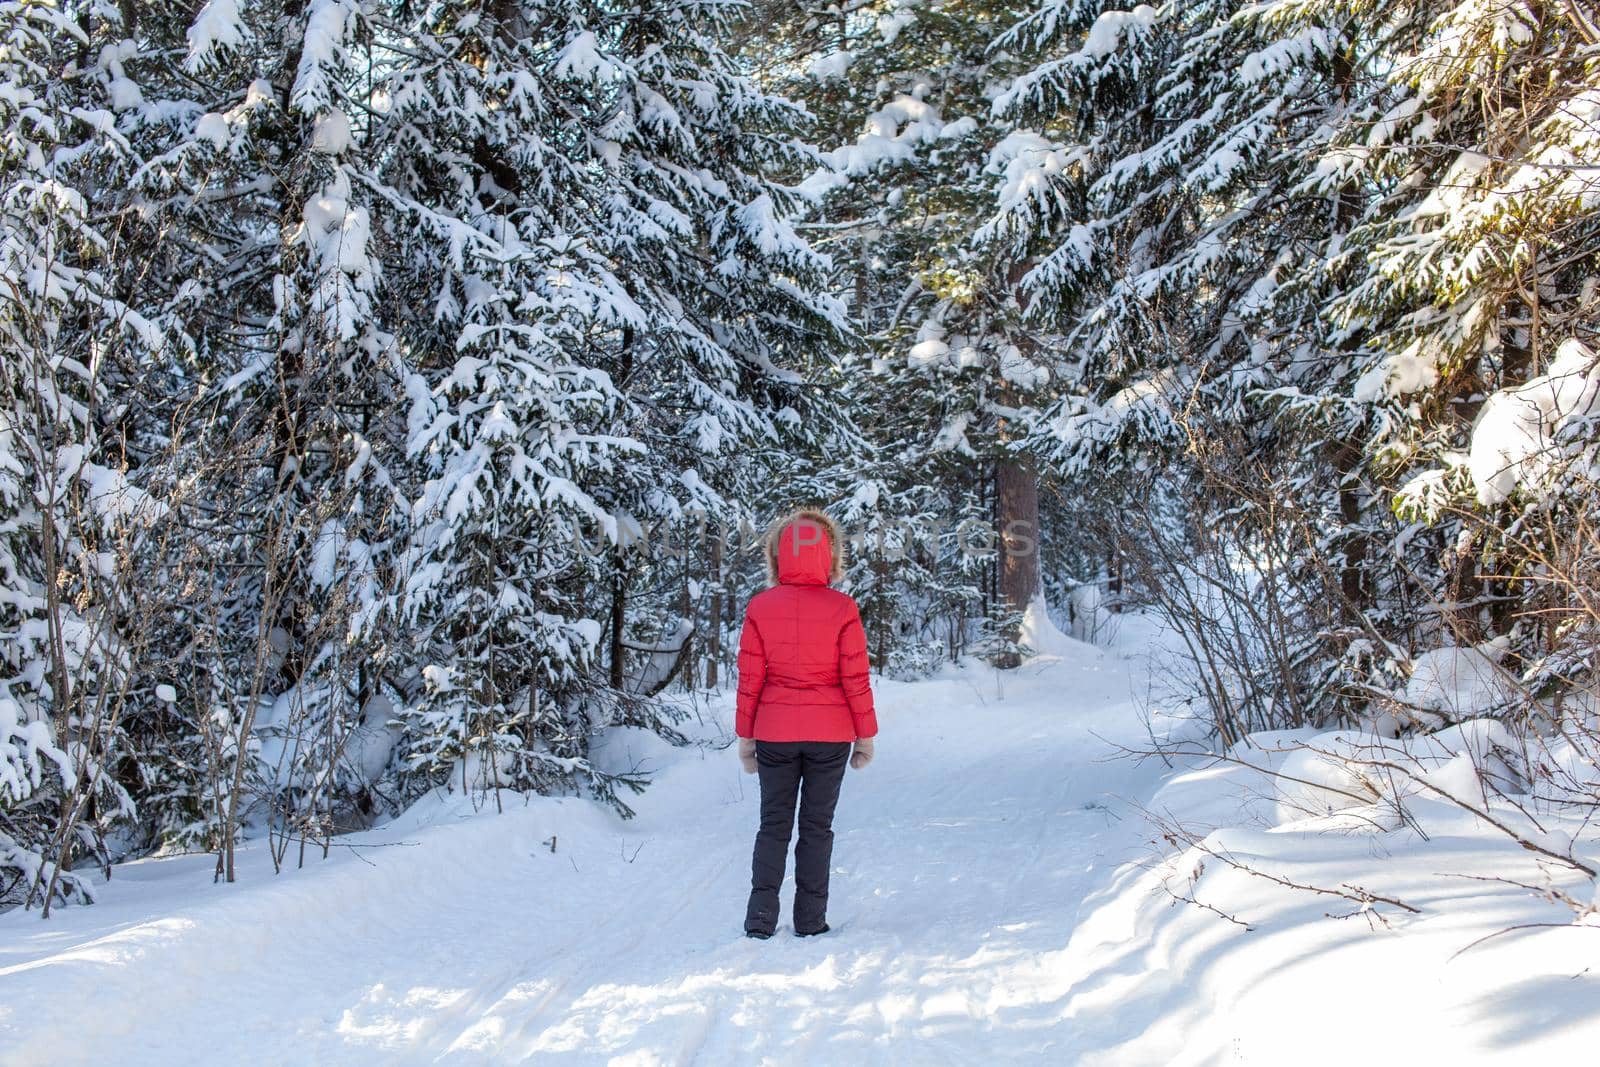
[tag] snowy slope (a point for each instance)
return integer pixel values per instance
(992, 902)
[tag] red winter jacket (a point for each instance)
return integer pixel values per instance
(803, 653)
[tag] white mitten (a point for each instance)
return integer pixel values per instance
(862, 754)
(747, 754)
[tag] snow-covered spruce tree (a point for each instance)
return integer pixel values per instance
(1195, 271)
(1304, 253)
(597, 340)
(1477, 275)
(734, 317)
(70, 635)
(269, 432)
(435, 290)
(948, 374)
(497, 292)
(1104, 215)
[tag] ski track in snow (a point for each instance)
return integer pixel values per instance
(988, 905)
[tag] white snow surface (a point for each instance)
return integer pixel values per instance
(1031, 164)
(1105, 36)
(1516, 439)
(997, 897)
(218, 25)
(832, 65)
(331, 133)
(1457, 683)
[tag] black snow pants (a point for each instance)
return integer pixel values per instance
(811, 771)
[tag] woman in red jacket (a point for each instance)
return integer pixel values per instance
(804, 699)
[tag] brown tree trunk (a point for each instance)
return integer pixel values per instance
(619, 608)
(1114, 578)
(1462, 587)
(1016, 502)
(1017, 494)
(880, 638)
(686, 654)
(1353, 586)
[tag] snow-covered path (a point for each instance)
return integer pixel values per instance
(960, 856)
(989, 906)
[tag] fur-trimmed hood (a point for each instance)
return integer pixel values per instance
(823, 528)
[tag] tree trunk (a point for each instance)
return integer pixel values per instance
(714, 633)
(1462, 588)
(1017, 494)
(686, 656)
(619, 608)
(1354, 588)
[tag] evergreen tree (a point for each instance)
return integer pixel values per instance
(1475, 271)
(68, 331)
(1258, 304)
(949, 374)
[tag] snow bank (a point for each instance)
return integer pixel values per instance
(1364, 779)
(1225, 949)
(1453, 683)
(1323, 777)
(1040, 633)
(1567, 766)
(1089, 620)
(1236, 791)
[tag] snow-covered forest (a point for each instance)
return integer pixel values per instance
(393, 395)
